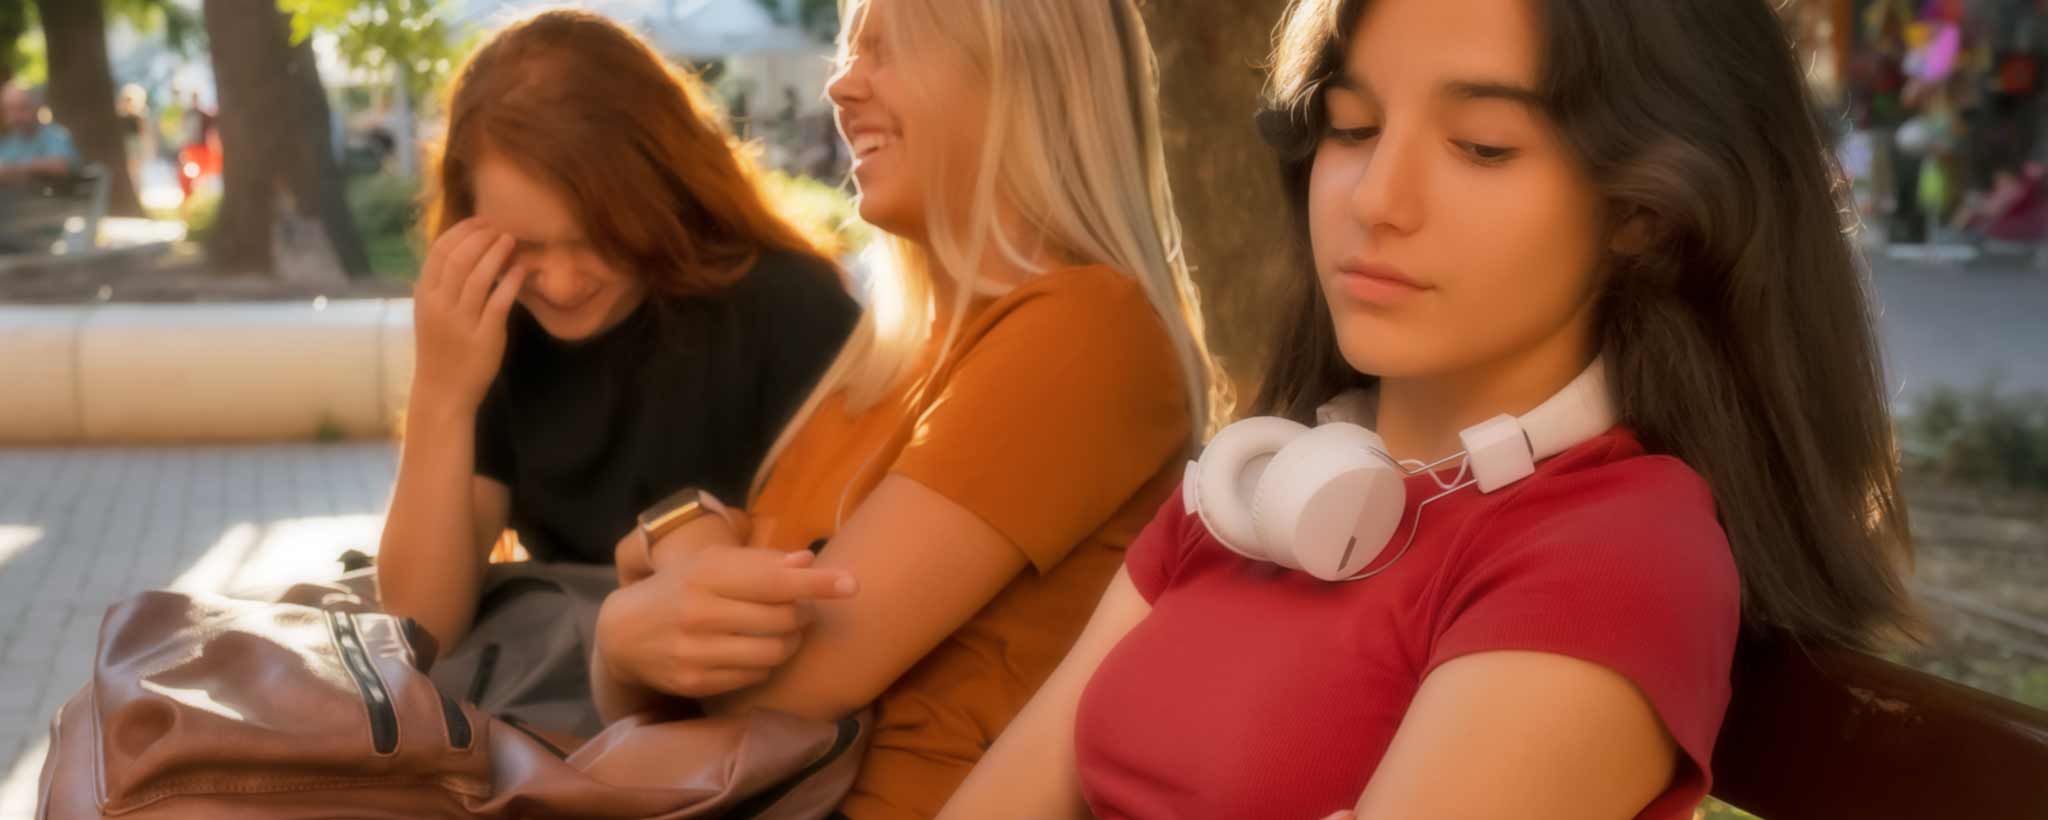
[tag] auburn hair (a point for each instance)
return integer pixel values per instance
(649, 171)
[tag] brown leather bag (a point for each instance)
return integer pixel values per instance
(203, 706)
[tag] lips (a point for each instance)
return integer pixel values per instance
(1378, 284)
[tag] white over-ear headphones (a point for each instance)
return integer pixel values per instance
(1327, 500)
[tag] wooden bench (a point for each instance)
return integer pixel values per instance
(1839, 734)
(34, 216)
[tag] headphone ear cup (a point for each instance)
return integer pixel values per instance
(1329, 502)
(1227, 473)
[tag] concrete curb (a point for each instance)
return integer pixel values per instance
(209, 372)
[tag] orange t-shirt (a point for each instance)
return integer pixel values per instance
(1058, 417)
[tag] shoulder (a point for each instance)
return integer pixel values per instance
(1080, 294)
(1092, 313)
(1613, 511)
(1085, 332)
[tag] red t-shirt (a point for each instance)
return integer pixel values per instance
(1254, 691)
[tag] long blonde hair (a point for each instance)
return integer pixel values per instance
(1072, 145)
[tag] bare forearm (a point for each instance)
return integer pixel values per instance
(31, 169)
(803, 687)
(51, 167)
(429, 566)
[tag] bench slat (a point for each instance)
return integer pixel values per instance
(1830, 733)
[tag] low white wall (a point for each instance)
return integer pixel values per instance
(214, 372)
(39, 374)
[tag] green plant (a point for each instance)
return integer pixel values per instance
(1712, 809)
(414, 39)
(824, 213)
(200, 212)
(329, 431)
(2032, 688)
(1983, 436)
(387, 213)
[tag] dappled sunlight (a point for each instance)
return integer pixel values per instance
(256, 556)
(15, 539)
(19, 791)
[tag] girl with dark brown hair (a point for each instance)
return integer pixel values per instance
(1580, 268)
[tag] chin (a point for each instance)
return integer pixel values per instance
(568, 331)
(881, 212)
(1389, 353)
(576, 327)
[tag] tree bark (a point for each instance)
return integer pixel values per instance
(81, 94)
(276, 141)
(1225, 181)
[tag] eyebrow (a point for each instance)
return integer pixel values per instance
(1458, 90)
(1468, 90)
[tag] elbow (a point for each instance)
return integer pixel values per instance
(442, 613)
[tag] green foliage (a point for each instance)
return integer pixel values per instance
(824, 214)
(202, 213)
(180, 26)
(21, 42)
(30, 60)
(386, 208)
(412, 38)
(329, 431)
(1713, 809)
(2032, 688)
(20, 54)
(13, 23)
(1983, 436)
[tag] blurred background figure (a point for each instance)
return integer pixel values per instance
(31, 148)
(138, 132)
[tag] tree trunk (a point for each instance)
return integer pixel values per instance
(276, 141)
(1225, 181)
(81, 95)
(317, 181)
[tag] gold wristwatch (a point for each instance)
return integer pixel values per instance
(682, 507)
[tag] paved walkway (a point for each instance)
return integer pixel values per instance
(80, 529)
(1961, 326)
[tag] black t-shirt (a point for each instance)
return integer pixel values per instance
(682, 392)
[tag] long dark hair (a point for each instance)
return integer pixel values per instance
(1739, 339)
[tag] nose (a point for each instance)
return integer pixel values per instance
(557, 281)
(1391, 186)
(849, 84)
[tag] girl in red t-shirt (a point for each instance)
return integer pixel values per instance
(1587, 257)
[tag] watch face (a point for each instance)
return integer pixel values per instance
(671, 512)
(676, 500)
